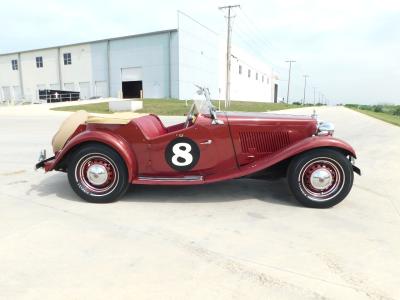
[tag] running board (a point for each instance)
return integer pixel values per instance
(184, 178)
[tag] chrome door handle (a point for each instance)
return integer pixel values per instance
(208, 142)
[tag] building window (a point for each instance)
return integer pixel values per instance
(67, 59)
(268, 80)
(39, 62)
(262, 78)
(14, 64)
(249, 73)
(240, 69)
(256, 76)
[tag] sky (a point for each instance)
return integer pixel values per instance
(350, 49)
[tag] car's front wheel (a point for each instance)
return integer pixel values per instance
(97, 173)
(320, 178)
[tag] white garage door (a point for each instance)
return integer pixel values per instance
(84, 88)
(54, 86)
(101, 89)
(17, 93)
(70, 86)
(131, 74)
(6, 93)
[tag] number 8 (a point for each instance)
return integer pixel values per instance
(179, 153)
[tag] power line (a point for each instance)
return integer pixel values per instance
(253, 47)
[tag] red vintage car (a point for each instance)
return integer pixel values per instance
(102, 157)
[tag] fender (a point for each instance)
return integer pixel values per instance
(108, 138)
(307, 144)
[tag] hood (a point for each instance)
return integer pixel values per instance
(257, 135)
(247, 118)
(297, 127)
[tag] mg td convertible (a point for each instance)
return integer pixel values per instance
(103, 156)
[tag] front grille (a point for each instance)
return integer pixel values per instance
(263, 142)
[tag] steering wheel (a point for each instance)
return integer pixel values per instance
(189, 116)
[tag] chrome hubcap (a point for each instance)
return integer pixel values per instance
(321, 179)
(97, 174)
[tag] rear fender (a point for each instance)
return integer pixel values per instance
(110, 139)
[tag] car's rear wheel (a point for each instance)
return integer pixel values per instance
(320, 178)
(97, 173)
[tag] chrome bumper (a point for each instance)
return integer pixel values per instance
(355, 169)
(42, 159)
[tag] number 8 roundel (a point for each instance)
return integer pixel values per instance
(182, 154)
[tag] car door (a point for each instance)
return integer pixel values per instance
(197, 150)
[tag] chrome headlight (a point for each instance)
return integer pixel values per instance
(325, 128)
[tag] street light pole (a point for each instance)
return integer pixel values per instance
(314, 94)
(228, 55)
(288, 85)
(305, 85)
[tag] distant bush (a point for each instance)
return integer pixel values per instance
(351, 105)
(377, 108)
(381, 108)
(297, 103)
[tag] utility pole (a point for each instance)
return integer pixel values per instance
(314, 94)
(288, 84)
(228, 54)
(305, 85)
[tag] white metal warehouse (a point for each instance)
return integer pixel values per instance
(162, 64)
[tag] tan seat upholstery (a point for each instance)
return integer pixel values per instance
(67, 128)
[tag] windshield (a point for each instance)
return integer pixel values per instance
(204, 106)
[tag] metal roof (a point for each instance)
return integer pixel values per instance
(95, 41)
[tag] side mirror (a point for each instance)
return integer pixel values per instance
(200, 90)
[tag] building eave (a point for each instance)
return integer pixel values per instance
(91, 42)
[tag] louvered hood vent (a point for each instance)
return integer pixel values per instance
(264, 142)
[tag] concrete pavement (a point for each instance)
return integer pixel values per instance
(240, 239)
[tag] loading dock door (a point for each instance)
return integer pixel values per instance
(101, 89)
(132, 84)
(6, 93)
(131, 89)
(84, 88)
(17, 93)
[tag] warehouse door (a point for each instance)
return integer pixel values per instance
(6, 93)
(17, 93)
(54, 86)
(101, 89)
(84, 88)
(70, 86)
(132, 89)
(132, 84)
